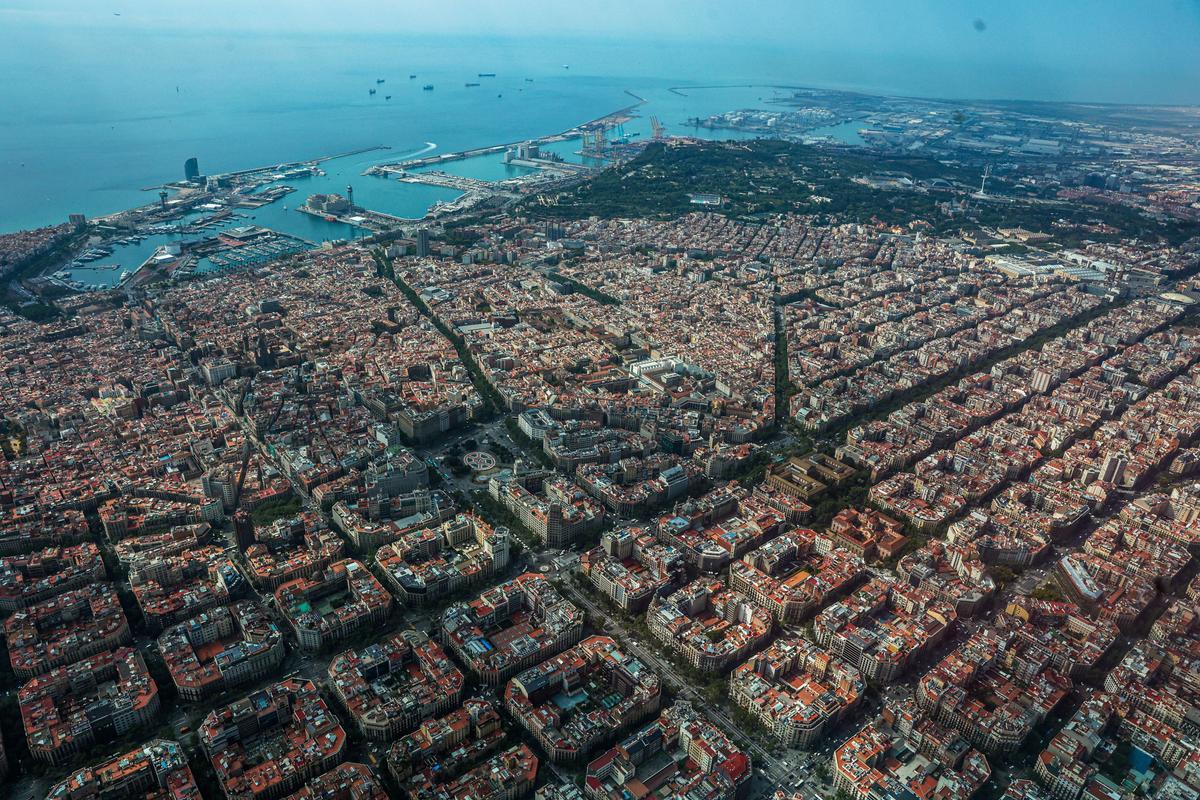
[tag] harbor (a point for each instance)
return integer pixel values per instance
(583, 133)
(166, 239)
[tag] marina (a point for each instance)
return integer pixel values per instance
(426, 184)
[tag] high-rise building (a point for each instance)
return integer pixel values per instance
(1112, 469)
(191, 169)
(423, 242)
(243, 529)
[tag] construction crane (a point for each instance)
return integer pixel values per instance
(658, 128)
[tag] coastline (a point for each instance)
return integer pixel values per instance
(190, 196)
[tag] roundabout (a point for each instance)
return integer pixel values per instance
(479, 461)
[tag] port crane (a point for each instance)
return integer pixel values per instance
(595, 137)
(660, 130)
(595, 140)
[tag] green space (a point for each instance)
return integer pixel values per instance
(1049, 591)
(269, 512)
(760, 177)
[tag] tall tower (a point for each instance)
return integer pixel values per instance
(162, 200)
(191, 169)
(243, 529)
(423, 242)
(350, 195)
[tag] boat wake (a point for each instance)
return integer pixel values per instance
(428, 148)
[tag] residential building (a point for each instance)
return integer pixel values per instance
(288, 720)
(511, 626)
(606, 690)
(326, 608)
(390, 686)
(796, 690)
(221, 648)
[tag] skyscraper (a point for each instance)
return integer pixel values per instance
(191, 169)
(243, 529)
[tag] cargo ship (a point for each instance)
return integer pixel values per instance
(487, 74)
(469, 84)
(428, 87)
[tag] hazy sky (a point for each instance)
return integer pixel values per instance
(1141, 42)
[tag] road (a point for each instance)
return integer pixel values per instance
(774, 769)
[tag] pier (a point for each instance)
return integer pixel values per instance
(362, 218)
(619, 116)
(306, 163)
(311, 162)
(445, 179)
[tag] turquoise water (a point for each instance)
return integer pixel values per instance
(128, 256)
(490, 167)
(845, 132)
(410, 200)
(99, 273)
(95, 114)
(133, 255)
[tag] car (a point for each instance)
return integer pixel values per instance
(185, 729)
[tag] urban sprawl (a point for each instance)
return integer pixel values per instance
(700, 505)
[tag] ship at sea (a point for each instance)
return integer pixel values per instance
(380, 80)
(428, 87)
(413, 75)
(487, 74)
(370, 91)
(469, 84)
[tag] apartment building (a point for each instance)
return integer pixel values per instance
(511, 626)
(221, 648)
(610, 691)
(331, 606)
(390, 686)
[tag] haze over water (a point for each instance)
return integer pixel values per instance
(94, 114)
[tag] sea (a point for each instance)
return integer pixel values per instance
(94, 119)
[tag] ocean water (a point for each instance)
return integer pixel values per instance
(93, 117)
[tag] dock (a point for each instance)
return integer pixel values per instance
(362, 218)
(445, 179)
(621, 115)
(285, 165)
